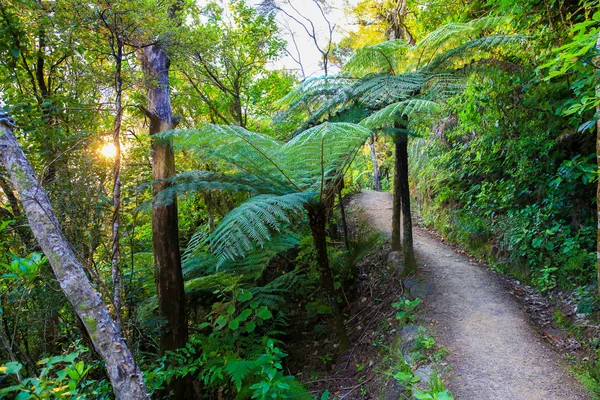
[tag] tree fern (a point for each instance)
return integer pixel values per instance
(253, 222)
(409, 109)
(480, 46)
(372, 91)
(309, 96)
(383, 57)
(199, 261)
(250, 153)
(453, 35)
(323, 153)
(192, 182)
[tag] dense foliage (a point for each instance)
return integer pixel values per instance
(497, 102)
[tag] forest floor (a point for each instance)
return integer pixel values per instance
(494, 350)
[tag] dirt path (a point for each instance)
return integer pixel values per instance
(494, 353)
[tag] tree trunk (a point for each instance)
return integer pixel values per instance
(343, 213)
(407, 235)
(115, 256)
(596, 61)
(165, 231)
(376, 179)
(317, 220)
(121, 368)
(397, 200)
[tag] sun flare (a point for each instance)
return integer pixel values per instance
(109, 150)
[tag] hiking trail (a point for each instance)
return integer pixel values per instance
(495, 354)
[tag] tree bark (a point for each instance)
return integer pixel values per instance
(165, 230)
(121, 368)
(407, 234)
(596, 61)
(317, 220)
(115, 256)
(376, 179)
(397, 199)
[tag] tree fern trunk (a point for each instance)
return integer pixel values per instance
(407, 234)
(397, 200)
(317, 220)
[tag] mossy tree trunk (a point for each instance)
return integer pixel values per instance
(317, 220)
(165, 230)
(123, 372)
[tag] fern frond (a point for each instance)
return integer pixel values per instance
(250, 153)
(453, 35)
(408, 109)
(372, 91)
(238, 370)
(253, 223)
(210, 283)
(191, 182)
(323, 153)
(490, 23)
(474, 47)
(380, 58)
(309, 96)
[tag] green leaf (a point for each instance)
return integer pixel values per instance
(233, 325)
(244, 315)
(264, 313)
(11, 368)
(250, 326)
(537, 242)
(244, 295)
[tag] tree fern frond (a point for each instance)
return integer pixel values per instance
(200, 262)
(490, 23)
(322, 153)
(473, 47)
(253, 223)
(372, 91)
(380, 58)
(409, 109)
(249, 152)
(310, 95)
(192, 182)
(210, 283)
(454, 35)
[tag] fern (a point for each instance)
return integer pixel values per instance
(372, 91)
(253, 222)
(252, 154)
(238, 370)
(309, 96)
(454, 35)
(409, 109)
(380, 58)
(323, 153)
(474, 47)
(192, 182)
